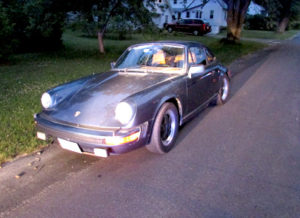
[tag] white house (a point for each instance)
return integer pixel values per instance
(214, 12)
(163, 10)
(255, 9)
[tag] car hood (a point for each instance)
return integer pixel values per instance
(93, 103)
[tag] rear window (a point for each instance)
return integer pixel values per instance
(198, 22)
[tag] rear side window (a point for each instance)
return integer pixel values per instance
(210, 56)
(198, 21)
(197, 56)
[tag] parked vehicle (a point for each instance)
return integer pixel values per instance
(194, 26)
(151, 90)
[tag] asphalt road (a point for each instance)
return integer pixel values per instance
(237, 160)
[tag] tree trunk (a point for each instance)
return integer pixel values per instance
(100, 42)
(103, 29)
(284, 15)
(282, 25)
(235, 18)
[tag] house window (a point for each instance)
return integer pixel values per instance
(187, 14)
(211, 15)
(184, 1)
(159, 1)
(175, 2)
(166, 18)
(179, 15)
(198, 14)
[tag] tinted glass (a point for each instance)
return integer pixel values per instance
(188, 21)
(209, 55)
(198, 21)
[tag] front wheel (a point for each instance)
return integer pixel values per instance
(223, 93)
(165, 129)
(170, 29)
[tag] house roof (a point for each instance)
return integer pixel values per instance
(220, 2)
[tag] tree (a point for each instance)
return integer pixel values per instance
(34, 24)
(237, 10)
(101, 12)
(281, 11)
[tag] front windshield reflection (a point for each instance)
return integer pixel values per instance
(164, 57)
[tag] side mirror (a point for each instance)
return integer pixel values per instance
(112, 64)
(196, 70)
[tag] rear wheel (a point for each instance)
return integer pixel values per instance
(165, 129)
(224, 91)
(196, 32)
(170, 29)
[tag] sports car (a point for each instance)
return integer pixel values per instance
(151, 90)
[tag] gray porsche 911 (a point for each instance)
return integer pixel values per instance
(150, 91)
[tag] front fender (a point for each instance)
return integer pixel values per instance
(149, 101)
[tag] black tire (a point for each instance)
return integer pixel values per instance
(165, 130)
(224, 91)
(169, 29)
(196, 33)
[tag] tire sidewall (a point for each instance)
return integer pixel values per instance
(156, 144)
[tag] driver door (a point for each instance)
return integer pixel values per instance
(200, 84)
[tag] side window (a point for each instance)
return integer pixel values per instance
(181, 22)
(187, 21)
(210, 57)
(196, 56)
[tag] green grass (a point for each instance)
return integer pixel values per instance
(29, 75)
(262, 34)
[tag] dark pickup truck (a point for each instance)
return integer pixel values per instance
(195, 26)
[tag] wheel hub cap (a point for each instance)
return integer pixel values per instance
(167, 129)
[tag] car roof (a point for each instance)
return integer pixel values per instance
(175, 42)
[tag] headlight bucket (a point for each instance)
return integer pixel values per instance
(124, 112)
(46, 100)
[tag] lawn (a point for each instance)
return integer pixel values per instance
(27, 76)
(262, 34)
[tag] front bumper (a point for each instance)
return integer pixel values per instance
(90, 140)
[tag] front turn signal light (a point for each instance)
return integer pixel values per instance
(118, 140)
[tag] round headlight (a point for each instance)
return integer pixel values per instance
(46, 100)
(124, 112)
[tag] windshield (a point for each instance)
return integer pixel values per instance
(152, 57)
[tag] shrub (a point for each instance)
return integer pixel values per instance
(31, 25)
(259, 22)
(7, 44)
(255, 22)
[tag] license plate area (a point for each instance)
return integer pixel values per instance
(71, 146)
(101, 152)
(41, 135)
